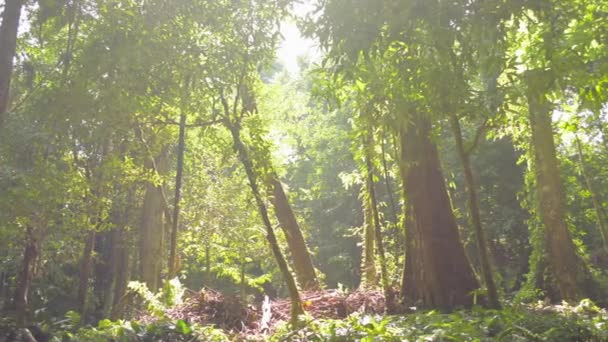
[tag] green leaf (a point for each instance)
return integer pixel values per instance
(183, 327)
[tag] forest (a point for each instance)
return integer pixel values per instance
(303, 170)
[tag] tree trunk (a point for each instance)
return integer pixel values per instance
(595, 197)
(8, 44)
(208, 265)
(473, 203)
(122, 275)
(178, 188)
(407, 223)
(241, 150)
(86, 266)
(368, 262)
(375, 215)
(111, 271)
(565, 264)
(152, 228)
(438, 274)
(387, 182)
(25, 278)
(302, 262)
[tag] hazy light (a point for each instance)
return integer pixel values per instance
(293, 44)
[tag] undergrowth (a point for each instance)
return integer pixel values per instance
(584, 322)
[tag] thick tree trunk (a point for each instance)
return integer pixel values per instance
(8, 44)
(302, 262)
(473, 204)
(438, 274)
(241, 150)
(25, 277)
(86, 266)
(569, 270)
(600, 213)
(181, 144)
(152, 228)
(373, 205)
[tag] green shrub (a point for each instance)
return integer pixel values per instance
(563, 323)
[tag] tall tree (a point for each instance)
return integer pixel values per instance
(302, 262)
(368, 258)
(372, 202)
(241, 150)
(439, 274)
(8, 44)
(474, 212)
(32, 249)
(570, 272)
(152, 224)
(178, 189)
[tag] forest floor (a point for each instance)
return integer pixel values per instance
(334, 315)
(229, 313)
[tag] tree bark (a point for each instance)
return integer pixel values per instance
(111, 271)
(473, 204)
(122, 275)
(25, 277)
(241, 150)
(178, 191)
(121, 279)
(86, 266)
(368, 262)
(302, 262)
(152, 227)
(8, 45)
(567, 267)
(438, 274)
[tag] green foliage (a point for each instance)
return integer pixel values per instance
(168, 296)
(99, 86)
(584, 322)
(126, 331)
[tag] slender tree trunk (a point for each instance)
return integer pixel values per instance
(569, 270)
(407, 223)
(152, 228)
(86, 266)
(302, 262)
(438, 273)
(122, 275)
(178, 191)
(25, 277)
(368, 262)
(112, 271)
(241, 150)
(208, 265)
(8, 44)
(595, 197)
(375, 215)
(387, 182)
(473, 204)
